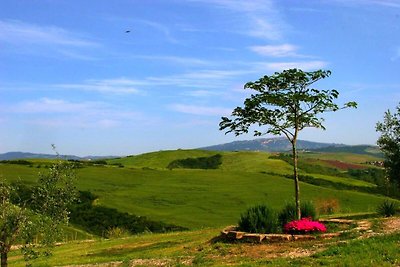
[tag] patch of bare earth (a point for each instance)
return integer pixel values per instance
(391, 225)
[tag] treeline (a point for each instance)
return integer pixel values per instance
(212, 162)
(372, 175)
(97, 219)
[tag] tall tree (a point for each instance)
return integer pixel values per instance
(34, 222)
(286, 104)
(389, 142)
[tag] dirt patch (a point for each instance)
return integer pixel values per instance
(391, 225)
(344, 165)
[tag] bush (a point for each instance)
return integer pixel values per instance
(327, 206)
(387, 208)
(212, 162)
(259, 219)
(288, 212)
(305, 225)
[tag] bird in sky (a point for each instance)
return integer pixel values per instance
(127, 31)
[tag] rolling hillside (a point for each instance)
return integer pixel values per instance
(197, 198)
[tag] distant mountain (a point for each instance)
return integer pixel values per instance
(279, 144)
(26, 155)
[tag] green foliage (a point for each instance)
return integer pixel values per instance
(34, 218)
(288, 213)
(387, 208)
(259, 219)
(17, 161)
(284, 101)
(212, 162)
(284, 104)
(104, 221)
(389, 142)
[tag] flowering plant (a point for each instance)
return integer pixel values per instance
(305, 225)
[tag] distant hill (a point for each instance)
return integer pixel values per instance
(279, 144)
(359, 149)
(27, 155)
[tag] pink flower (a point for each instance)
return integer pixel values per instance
(305, 225)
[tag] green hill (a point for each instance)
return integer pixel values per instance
(200, 198)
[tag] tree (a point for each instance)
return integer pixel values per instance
(285, 104)
(389, 143)
(34, 222)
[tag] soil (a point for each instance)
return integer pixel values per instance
(343, 165)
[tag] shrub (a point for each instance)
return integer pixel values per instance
(327, 206)
(305, 225)
(116, 232)
(387, 208)
(288, 212)
(211, 162)
(259, 219)
(308, 210)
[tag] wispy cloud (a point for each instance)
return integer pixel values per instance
(200, 110)
(48, 38)
(60, 112)
(284, 50)
(258, 18)
(304, 65)
(176, 60)
(49, 105)
(385, 3)
(110, 86)
(396, 55)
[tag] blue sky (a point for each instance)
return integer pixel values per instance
(71, 75)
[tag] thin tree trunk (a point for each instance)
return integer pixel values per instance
(4, 260)
(296, 180)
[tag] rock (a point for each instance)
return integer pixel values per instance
(253, 238)
(303, 237)
(277, 237)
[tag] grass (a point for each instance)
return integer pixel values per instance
(205, 201)
(213, 198)
(199, 249)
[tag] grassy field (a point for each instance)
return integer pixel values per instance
(212, 198)
(200, 248)
(205, 201)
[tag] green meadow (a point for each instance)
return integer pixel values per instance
(195, 198)
(204, 201)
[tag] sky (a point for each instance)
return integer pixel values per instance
(100, 77)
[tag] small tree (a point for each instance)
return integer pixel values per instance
(35, 222)
(286, 104)
(389, 143)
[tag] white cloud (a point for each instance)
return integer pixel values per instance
(258, 18)
(113, 86)
(200, 110)
(59, 112)
(385, 3)
(304, 65)
(46, 41)
(48, 105)
(23, 33)
(283, 50)
(201, 93)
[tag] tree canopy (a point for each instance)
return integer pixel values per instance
(284, 104)
(389, 143)
(34, 221)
